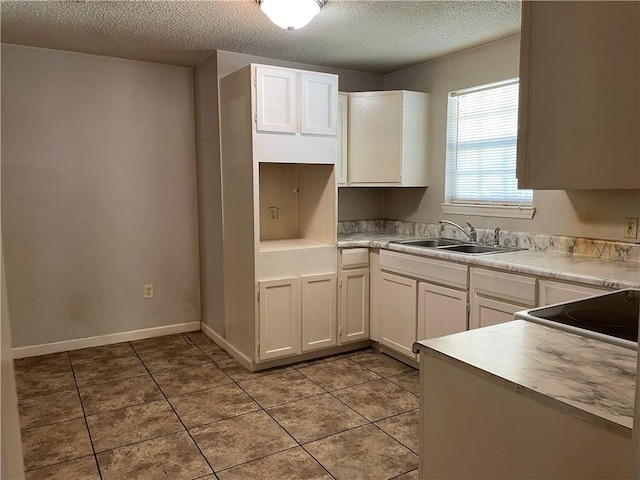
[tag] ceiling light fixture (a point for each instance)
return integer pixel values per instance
(291, 14)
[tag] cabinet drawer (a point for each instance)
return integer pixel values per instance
(556, 292)
(436, 271)
(507, 286)
(355, 258)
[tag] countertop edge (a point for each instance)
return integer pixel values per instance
(521, 389)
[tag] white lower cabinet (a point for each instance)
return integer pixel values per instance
(354, 305)
(279, 318)
(552, 292)
(290, 322)
(441, 311)
(318, 312)
(496, 296)
(398, 309)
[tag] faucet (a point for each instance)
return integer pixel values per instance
(473, 236)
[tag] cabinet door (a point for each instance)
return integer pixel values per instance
(279, 318)
(398, 310)
(318, 312)
(375, 138)
(578, 111)
(441, 311)
(276, 100)
(354, 305)
(319, 104)
(485, 312)
(341, 157)
(556, 292)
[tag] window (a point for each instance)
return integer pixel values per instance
(482, 131)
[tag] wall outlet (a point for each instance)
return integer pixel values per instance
(148, 290)
(631, 227)
(274, 213)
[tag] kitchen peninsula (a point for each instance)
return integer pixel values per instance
(521, 400)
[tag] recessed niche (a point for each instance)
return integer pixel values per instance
(297, 202)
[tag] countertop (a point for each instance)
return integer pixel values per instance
(573, 268)
(581, 376)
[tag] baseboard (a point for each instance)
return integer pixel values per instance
(97, 341)
(227, 347)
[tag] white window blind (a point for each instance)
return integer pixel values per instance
(482, 135)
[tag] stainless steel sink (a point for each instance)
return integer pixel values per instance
(430, 242)
(475, 249)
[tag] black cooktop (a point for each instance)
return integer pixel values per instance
(614, 314)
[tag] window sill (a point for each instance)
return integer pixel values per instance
(505, 211)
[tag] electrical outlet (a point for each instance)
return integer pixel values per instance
(148, 290)
(274, 213)
(630, 227)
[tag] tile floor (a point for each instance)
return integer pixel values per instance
(179, 408)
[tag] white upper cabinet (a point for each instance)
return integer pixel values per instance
(388, 139)
(578, 114)
(295, 115)
(277, 104)
(319, 96)
(343, 139)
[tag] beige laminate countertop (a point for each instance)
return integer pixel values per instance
(573, 268)
(581, 376)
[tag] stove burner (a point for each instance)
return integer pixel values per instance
(598, 318)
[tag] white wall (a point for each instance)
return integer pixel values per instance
(98, 194)
(597, 214)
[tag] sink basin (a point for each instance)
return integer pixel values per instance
(475, 249)
(429, 242)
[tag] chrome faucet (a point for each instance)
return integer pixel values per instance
(473, 236)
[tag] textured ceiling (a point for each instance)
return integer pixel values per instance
(375, 36)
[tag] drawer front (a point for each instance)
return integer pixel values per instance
(436, 271)
(506, 286)
(555, 292)
(355, 258)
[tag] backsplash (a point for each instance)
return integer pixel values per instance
(587, 247)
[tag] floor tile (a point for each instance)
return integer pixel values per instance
(294, 464)
(108, 370)
(191, 379)
(377, 400)
(213, 351)
(172, 358)
(238, 373)
(403, 427)
(280, 388)
(363, 453)
(412, 475)
(211, 405)
(84, 468)
(316, 417)
(409, 381)
(34, 383)
(380, 363)
(132, 424)
(104, 397)
(105, 352)
(46, 409)
(160, 343)
(172, 457)
(54, 362)
(55, 443)
(228, 443)
(198, 337)
(338, 374)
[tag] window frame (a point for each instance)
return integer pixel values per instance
(491, 208)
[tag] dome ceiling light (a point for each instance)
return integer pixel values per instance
(291, 14)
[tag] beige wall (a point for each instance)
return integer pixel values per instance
(597, 214)
(98, 194)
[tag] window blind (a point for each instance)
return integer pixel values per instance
(482, 131)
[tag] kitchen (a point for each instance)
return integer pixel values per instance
(144, 237)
